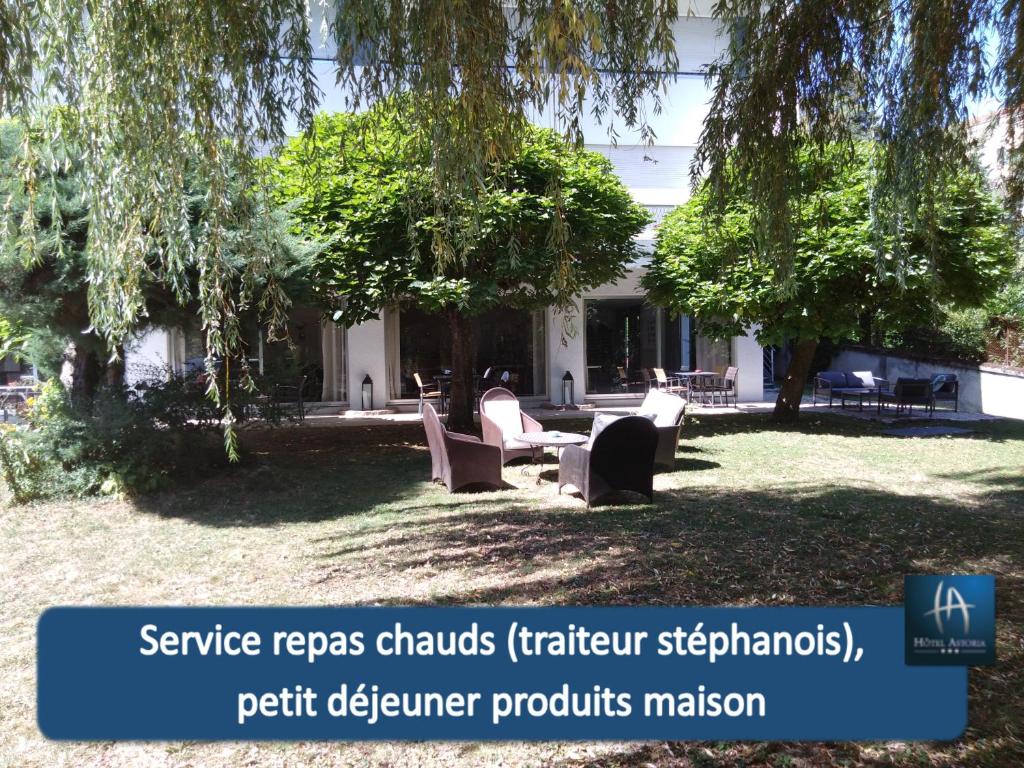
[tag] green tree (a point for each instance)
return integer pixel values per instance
(46, 278)
(150, 88)
(836, 284)
(374, 201)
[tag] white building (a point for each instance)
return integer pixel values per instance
(610, 336)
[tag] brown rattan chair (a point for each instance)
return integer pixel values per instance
(458, 460)
(503, 421)
(620, 459)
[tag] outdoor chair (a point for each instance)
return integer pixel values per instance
(483, 383)
(665, 384)
(621, 378)
(667, 412)
(946, 388)
(503, 421)
(723, 387)
(619, 458)
(288, 395)
(427, 391)
(906, 394)
(458, 460)
(647, 379)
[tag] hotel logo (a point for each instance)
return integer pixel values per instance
(950, 620)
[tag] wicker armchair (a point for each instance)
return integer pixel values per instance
(459, 460)
(668, 412)
(620, 459)
(503, 422)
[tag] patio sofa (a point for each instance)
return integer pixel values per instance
(844, 385)
(667, 412)
(907, 393)
(946, 389)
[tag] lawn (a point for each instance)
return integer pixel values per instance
(829, 512)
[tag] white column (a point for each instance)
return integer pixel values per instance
(747, 356)
(570, 356)
(367, 355)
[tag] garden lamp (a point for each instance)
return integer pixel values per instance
(367, 393)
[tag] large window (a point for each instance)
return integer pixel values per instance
(313, 353)
(622, 341)
(712, 354)
(626, 338)
(507, 344)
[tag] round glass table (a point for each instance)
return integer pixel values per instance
(551, 439)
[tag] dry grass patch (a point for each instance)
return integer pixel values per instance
(827, 512)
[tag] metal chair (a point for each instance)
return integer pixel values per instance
(427, 391)
(724, 387)
(946, 388)
(906, 394)
(287, 394)
(673, 386)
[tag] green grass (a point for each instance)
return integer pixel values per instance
(828, 512)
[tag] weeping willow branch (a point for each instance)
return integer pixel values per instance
(903, 72)
(149, 88)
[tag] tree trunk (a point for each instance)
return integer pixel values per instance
(787, 405)
(116, 369)
(80, 372)
(460, 398)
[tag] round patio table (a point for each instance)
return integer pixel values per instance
(551, 439)
(696, 382)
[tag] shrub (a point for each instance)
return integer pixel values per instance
(965, 332)
(124, 441)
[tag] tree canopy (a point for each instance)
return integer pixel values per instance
(44, 291)
(904, 72)
(150, 88)
(372, 202)
(837, 284)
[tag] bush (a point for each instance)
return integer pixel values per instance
(964, 332)
(124, 441)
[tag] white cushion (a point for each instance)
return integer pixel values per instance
(601, 420)
(665, 407)
(867, 378)
(506, 414)
(515, 445)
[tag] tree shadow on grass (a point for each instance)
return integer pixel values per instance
(830, 423)
(799, 544)
(295, 475)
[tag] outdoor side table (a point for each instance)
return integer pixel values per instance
(858, 395)
(553, 439)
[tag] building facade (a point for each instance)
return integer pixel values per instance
(605, 342)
